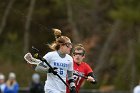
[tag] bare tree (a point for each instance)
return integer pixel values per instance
(131, 55)
(106, 48)
(100, 8)
(27, 26)
(131, 61)
(6, 13)
(75, 33)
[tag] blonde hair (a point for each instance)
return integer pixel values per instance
(60, 40)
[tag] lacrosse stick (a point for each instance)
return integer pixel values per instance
(80, 75)
(85, 77)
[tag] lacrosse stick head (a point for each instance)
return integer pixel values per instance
(28, 57)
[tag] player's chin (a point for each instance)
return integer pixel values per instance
(68, 52)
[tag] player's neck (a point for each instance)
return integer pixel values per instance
(62, 55)
(78, 63)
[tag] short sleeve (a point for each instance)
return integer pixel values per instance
(47, 57)
(88, 69)
(70, 66)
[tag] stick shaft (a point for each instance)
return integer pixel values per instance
(80, 75)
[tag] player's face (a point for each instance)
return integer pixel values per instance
(78, 56)
(67, 48)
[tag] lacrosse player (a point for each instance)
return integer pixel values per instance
(61, 62)
(81, 68)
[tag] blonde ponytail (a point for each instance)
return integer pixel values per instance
(57, 33)
(60, 40)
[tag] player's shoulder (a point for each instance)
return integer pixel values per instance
(68, 56)
(50, 54)
(85, 64)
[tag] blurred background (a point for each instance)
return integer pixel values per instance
(108, 29)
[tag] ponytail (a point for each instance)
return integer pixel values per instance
(59, 40)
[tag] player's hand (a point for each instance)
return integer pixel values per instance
(53, 70)
(73, 89)
(91, 79)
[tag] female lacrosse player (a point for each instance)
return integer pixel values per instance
(81, 68)
(60, 61)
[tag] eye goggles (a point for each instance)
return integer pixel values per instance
(69, 45)
(81, 54)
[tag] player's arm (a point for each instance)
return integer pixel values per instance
(90, 75)
(71, 81)
(91, 78)
(41, 68)
(70, 72)
(70, 78)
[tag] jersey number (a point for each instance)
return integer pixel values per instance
(61, 71)
(77, 79)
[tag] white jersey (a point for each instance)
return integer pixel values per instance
(136, 89)
(63, 64)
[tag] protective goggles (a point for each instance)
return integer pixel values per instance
(81, 54)
(69, 45)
